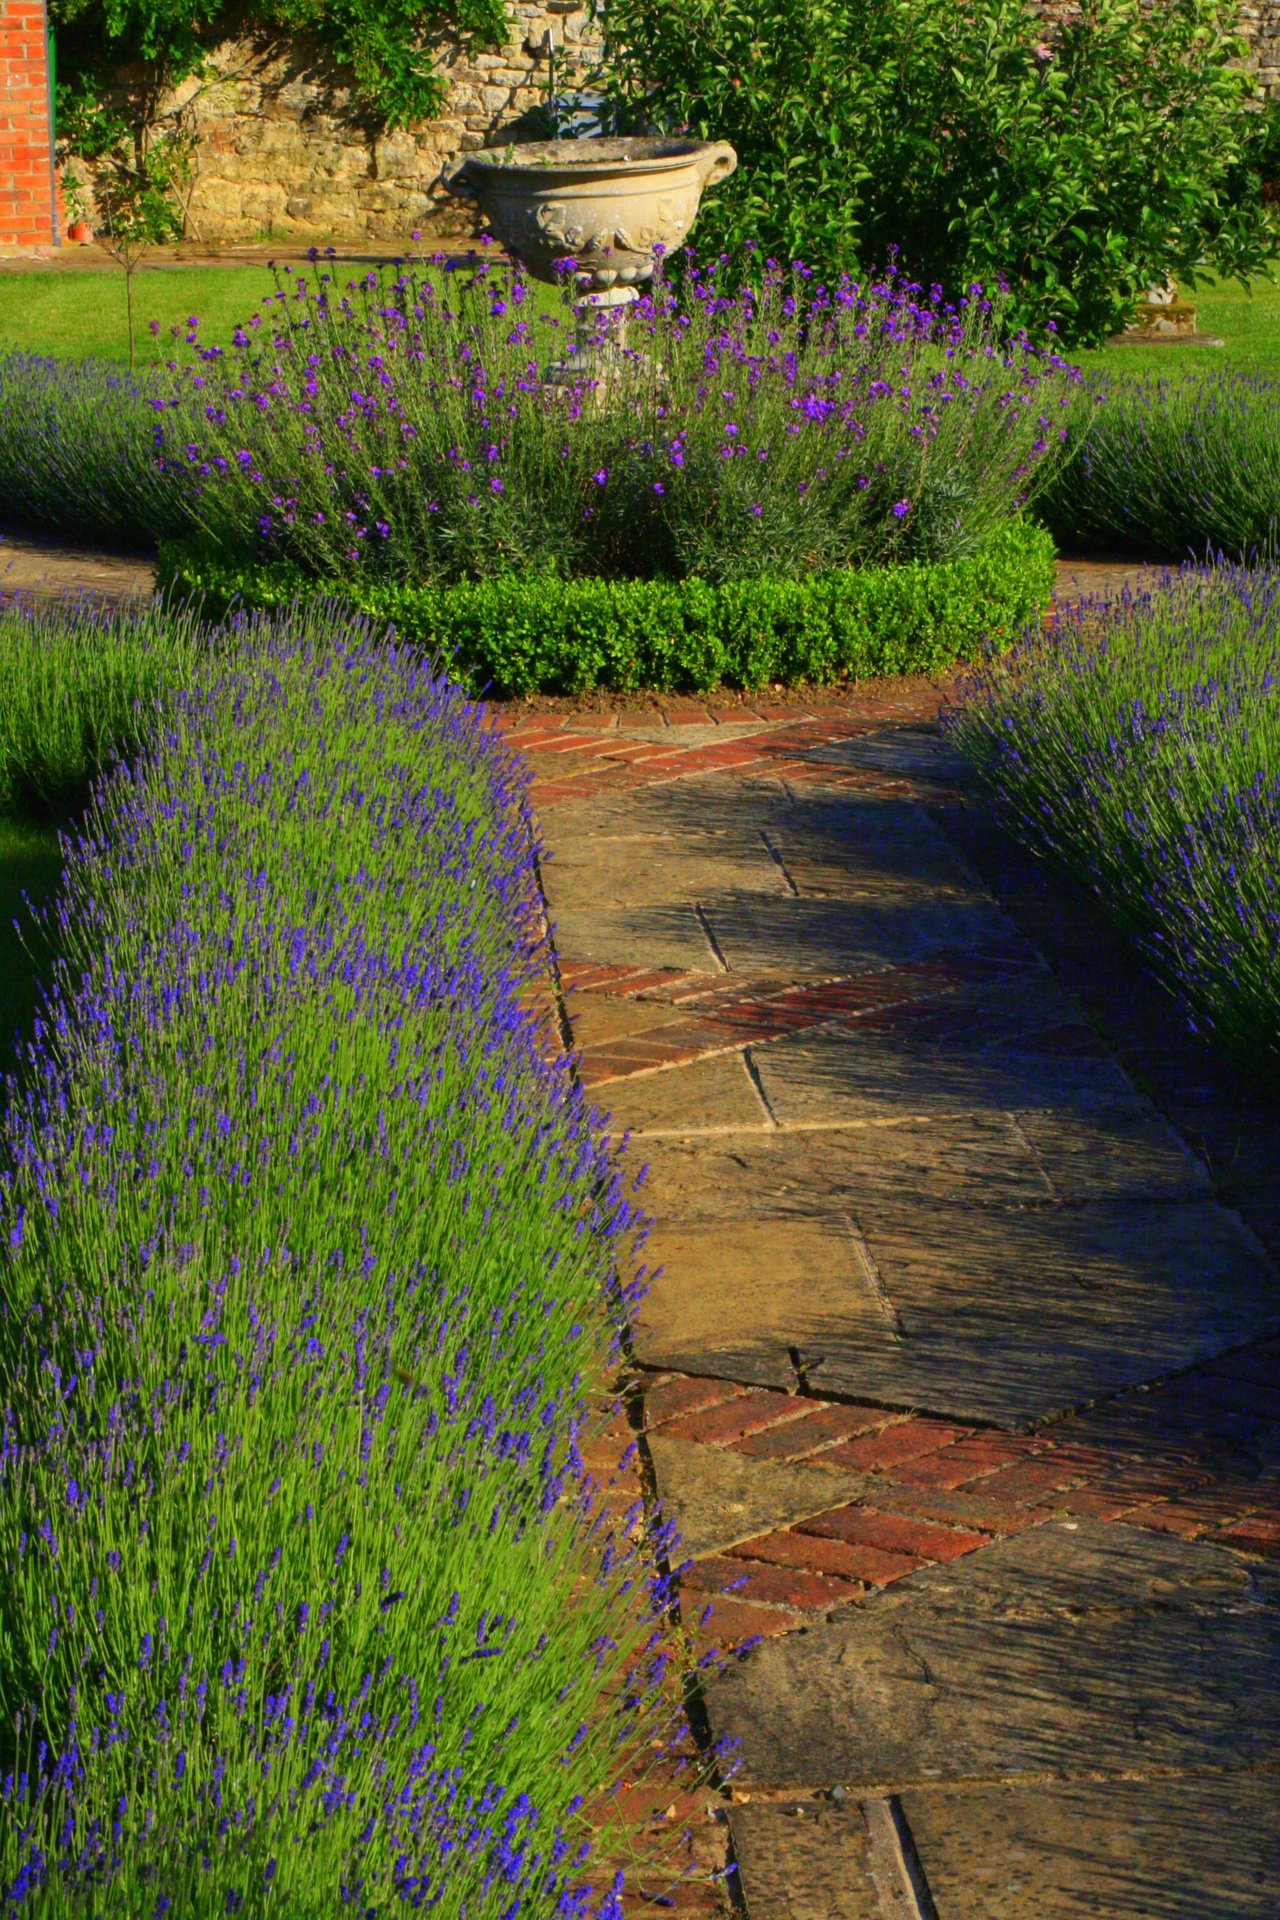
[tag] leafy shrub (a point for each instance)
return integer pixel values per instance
(82, 690)
(1166, 467)
(1137, 746)
(305, 1256)
(399, 430)
(522, 633)
(77, 453)
(1083, 167)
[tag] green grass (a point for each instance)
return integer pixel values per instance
(1247, 320)
(81, 313)
(76, 314)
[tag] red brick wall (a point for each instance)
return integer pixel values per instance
(28, 215)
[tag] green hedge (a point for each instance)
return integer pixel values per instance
(518, 634)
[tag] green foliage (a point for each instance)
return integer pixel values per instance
(385, 45)
(1083, 167)
(522, 633)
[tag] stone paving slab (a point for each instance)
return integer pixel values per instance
(1073, 1649)
(795, 938)
(1098, 1155)
(706, 804)
(1205, 1848)
(642, 873)
(740, 1310)
(650, 936)
(1118, 1294)
(928, 1306)
(984, 1159)
(719, 1499)
(844, 1077)
(1197, 1847)
(720, 1092)
(813, 1860)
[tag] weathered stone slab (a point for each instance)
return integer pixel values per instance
(712, 1096)
(653, 936)
(808, 1861)
(981, 1159)
(640, 873)
(977, 1159)
(1205, 1848)
(1116, 1294)
(701, 805)
(918, 752)
(798, 937)
(717, 1498)
(932, 1307)
(1071, 1648)
(1093, 1156)
(736, 1306)
(819, 877)
(894, 840)
(855, 1075)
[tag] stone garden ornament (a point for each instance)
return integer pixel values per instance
(605, 204)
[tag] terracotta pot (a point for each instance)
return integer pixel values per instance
(606, 204)
(81, 232)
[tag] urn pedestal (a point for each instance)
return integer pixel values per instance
(606, 205)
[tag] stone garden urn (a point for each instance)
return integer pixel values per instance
(605, 204)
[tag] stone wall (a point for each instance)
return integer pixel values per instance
(1260, 24)
(283, 153)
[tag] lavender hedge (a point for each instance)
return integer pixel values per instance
(77, 453)
(1167, 468)
(1138, 747)
(307, 1255)
(399, 428)
(80, 692)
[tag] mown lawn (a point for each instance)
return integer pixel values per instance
(80, 312)
(1246, 319)
(75, 313)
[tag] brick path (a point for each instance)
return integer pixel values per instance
(960, 1367)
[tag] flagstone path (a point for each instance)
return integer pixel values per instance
(959, 1364)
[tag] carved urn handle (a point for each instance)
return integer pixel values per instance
(716, 164)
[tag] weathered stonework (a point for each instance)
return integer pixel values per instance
(283, 151)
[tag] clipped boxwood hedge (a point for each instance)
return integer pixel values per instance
(516, 634)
